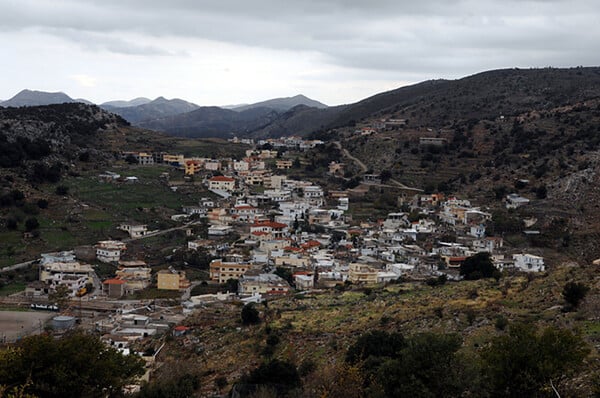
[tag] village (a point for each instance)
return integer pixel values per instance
(267, 236)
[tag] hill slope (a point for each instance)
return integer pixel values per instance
(283, 104)
(159, 108)
(36, 98)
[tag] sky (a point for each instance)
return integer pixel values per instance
(240, 51)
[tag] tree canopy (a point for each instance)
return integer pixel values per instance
(478, 266)
(520, 363)
(76, 365)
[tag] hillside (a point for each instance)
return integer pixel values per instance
(213, 122)
(158, 108)
(125, 104)
(283, 104)
(37, 98)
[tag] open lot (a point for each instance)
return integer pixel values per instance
(15, 324)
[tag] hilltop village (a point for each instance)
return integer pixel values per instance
(265, 235)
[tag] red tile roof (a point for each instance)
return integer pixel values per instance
(113, 282)
(271, 224)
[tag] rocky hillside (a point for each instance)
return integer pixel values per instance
(59, 131)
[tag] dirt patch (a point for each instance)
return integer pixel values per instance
(16, 324)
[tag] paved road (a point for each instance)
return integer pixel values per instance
(163, 231)
(347, 154)
(17, 266)
(364, 167)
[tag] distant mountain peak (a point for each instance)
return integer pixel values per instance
(29, 97)
(284, 104)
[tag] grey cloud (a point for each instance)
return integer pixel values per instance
(406, 36)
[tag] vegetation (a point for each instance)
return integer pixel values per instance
(478, 266)
(77, 365)
(250, 315)
(574, 293)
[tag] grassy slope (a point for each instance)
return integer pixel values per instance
(320, 327)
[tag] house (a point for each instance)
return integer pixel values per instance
(274, 182)
(219, 230)
(283, 164)
(529, 262)
(274, 229)
(108, 251)
(134, 230)
(245, 213)
(432, 141)
(514, 200)
(304, 282)
(212, 165)
(221, 183)
(263, 284)
(362, 273)
(53, 271)
(171, 279)
(75, 283)
(221, 271)
(193, 166)
(136, 275)
(173, 160)
(113, 288)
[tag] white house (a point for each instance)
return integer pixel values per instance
(529, 262)
(134, 230)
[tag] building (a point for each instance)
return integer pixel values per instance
(53, 271)
(113, 288)
(192, 166)
(283, 164)
(136, 275)
(529, 262)
(134, 230)
(171, 279)
(108, 251)
(362, 273)
(221, 183)
(275, 230)
(173, 160)
(221, 271)
(263, 284)
(514, 200)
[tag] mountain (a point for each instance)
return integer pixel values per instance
(283, 104)
(213, 122)
(159, 108)
(36, 98)
(125, 104)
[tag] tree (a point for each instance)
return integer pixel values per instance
(250, 315)
(280, 375)
(11, 223)
(232, 285)
(131, 159)
(522, 362)
(77, 365)
(427, 367)
(62, 190)
(60, 296)
(31, 224)
(385, 176)
(375, 344)
(478, 266)
(574, 292)
(286, 274)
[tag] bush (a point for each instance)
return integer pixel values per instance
(62, 190)
(574, 293)
(250, 315)
(478, 266)
(31, 224)
(42, 204)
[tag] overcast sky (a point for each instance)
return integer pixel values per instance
(241, 51)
